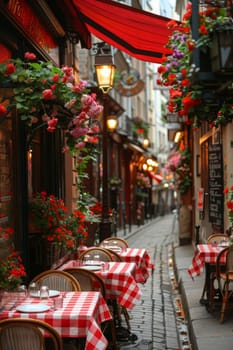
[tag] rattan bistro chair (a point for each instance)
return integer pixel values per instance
(104, 254)
(57, 280)
(120, 242)
(28, 334)
(90, 281)
(225, 278)
(213, 296)
(217, 238)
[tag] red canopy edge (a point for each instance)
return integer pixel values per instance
(140, 34)
(156, 177)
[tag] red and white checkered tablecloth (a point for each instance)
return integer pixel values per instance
(142, 260)
(204, 254)
(80, 317)
(119, 282)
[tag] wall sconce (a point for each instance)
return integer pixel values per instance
(104, 66)
(146, 142)
(222, 49)
(111, 123)
(178, 136)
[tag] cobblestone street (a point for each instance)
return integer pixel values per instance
(154, 318)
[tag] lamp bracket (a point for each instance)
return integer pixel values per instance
(100, 48)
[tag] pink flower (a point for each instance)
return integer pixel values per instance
(95, 110)
(78, 132)
(29, 56)
(10, 68)
(87, 100)
(56, 78)
(80, 145)
(80, 86)
(48, 94)
(67, 70)
(52, 124)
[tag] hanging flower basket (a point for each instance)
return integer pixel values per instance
(47, 96)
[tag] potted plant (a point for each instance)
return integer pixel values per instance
(179, 164)
(187, 96)
(47, 96)
(12, 270)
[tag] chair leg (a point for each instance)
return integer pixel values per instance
(113, 333)
(224, 302)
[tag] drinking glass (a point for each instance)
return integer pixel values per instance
(44, 292)
(96, 259)
(87, 259)
(22, 292)
(33, 289)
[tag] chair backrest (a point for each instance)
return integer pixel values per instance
(57, 280)
(88, 280)
(115, 256)
(217, 238)
(120, 242)
(228, 266)
(28, 334)
(104, 254)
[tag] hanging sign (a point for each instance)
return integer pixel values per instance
(130, 83)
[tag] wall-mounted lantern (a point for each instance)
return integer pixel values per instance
(104, 66)
(222, 49)
(111, 123)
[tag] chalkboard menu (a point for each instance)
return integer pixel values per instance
(216, 197)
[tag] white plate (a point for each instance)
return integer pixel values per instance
(52, 293)
(33, 308)
(92, 267)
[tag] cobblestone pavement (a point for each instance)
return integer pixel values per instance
(154, 318)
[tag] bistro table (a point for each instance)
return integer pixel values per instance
(142, 260)
(119, 282)
(139, 256)
(205, 257)
(80, 317)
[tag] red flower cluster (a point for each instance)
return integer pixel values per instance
(49, 215)
(11, 268)
(96, 209)
(229, 203)
(177, 69)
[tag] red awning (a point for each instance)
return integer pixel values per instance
(156, 177)
(138, 33)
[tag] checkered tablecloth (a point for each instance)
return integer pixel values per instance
(119, 282)
(80, 317)
(142, 260)
(204, 254)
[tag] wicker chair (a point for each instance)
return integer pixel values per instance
(58, 280)
(120, 242)
(217, 238)
(213, 297)
(115, 256)
(104, 254)
(225, 278)
(27, 334)
(90, 281)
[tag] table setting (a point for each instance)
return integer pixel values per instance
(72, 314)
(118, 278)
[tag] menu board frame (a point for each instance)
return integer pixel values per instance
(216, 185)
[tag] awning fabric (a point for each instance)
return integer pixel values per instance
(156, 177)
(138, 33)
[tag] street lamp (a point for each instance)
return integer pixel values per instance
(104, 68)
